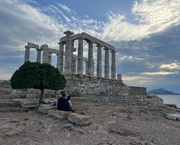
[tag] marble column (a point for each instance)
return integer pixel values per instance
(80, 56)
(86, 67)
(61, 53)
(106, 69)
(113, 65)
(90, 58)
(99, 61)
(45, 53)
(73, 59)
(73, 71)
(57, 54)
(38, 55)
(27, 52)
(49, 57)
(93, 69)
(68, 54)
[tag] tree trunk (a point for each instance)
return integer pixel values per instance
(41, 96)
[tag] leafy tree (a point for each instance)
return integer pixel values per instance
(38, 76)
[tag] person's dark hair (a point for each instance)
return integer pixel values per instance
(68, 98)
(63, 95)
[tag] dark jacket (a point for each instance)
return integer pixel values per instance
(61, 103)
(67, 106)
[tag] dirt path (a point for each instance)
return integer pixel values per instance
(112, 124)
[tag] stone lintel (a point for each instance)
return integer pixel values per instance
(44, 46)
(86, 36)
(54, 51)
(32, 45)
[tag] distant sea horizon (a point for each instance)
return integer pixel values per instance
(171, 99)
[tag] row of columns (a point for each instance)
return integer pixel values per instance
(47, 56)
(27, 54)
(90, 62)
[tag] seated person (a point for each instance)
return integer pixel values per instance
(67, 106)
(61, 102)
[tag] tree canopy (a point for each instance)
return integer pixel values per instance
(38, 76)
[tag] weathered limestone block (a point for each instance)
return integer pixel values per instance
(28, 103)
(79, 119)
(43, 108)
(65, 114)
(173, 116)
(59, 114)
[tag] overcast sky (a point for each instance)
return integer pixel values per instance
(145, 33)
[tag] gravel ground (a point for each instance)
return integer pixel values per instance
(112, 124)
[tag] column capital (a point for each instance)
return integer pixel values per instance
(89, 41)
(27, 47)
(38, 49)
(113, 51)
(80, 38)
(98, 45)
(68, 33)
(62, 43)
(105, 48)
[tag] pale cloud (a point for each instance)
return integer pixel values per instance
(157, 13)
(173, 65)
(129, 58)
(153, 16)
(56, 10)
(160, 73)
(35, 25)
(64, 7)
(137, 80)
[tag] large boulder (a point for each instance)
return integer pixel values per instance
(79, 119)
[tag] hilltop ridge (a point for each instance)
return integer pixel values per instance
(161, 91)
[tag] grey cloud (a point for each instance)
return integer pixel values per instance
(159, 48)
(21, 24)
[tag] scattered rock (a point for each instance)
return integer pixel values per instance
(121, 115)
(79, 119)
(173, 116)
(121, 131)
(43, 108)
(28, 103)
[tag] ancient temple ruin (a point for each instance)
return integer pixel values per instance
(68, 63)
(82, 81)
